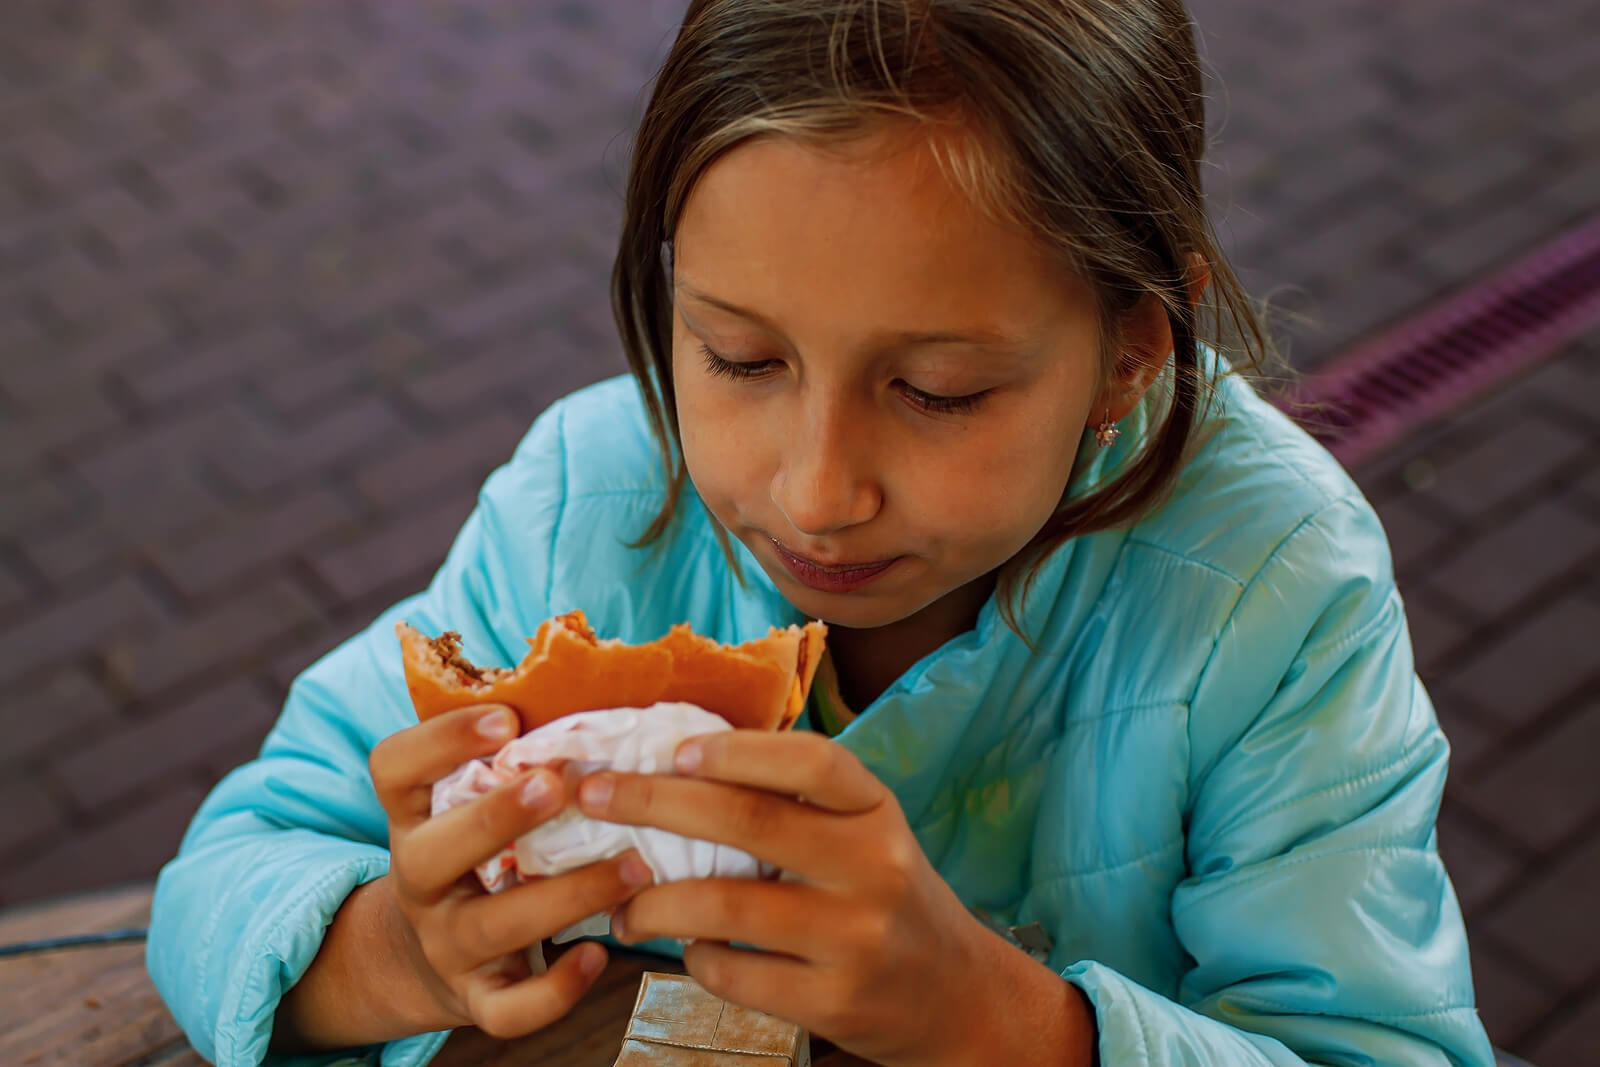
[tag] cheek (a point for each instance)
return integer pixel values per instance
(723, 447)
(998, 492)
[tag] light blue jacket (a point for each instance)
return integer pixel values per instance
(1215, 783)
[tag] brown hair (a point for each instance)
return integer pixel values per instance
(1082, 120)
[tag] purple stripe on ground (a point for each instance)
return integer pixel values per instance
(1430, 363)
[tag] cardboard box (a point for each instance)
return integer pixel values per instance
(676, 1023)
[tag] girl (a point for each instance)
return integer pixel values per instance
(914, 294)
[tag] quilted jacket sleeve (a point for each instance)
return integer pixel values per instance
(1320, 921)
(282, 841)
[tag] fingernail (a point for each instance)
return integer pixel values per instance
(594, 959)
(619, 926)
(595, 794)
(689, 755)
(636, 872)
(496, 726)
(536, 791)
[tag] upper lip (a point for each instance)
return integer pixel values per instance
(831, 565)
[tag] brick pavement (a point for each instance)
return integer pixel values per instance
(280, 283)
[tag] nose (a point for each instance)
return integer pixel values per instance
(824, 482)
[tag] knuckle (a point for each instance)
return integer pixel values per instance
(899, 868)
(874, 929)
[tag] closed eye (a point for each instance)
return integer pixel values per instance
(743, 371)
(943, 405)
(718, 367)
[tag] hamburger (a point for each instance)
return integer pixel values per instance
(761, 684)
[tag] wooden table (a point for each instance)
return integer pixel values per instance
(96, 1007)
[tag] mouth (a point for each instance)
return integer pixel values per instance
(830, 577)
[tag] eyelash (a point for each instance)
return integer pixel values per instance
(718, 367)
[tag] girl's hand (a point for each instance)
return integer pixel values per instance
(466, 944)
(871, 949)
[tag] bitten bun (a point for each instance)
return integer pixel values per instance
(761, 684)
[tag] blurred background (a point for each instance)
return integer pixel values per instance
(280, 282)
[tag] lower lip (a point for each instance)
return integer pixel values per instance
(826, 580)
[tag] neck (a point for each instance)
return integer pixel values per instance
(869, 661)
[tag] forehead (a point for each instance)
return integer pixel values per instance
(867, 228)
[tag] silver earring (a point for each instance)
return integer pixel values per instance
(1107, 431)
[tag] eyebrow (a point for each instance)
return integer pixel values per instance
(901, 339)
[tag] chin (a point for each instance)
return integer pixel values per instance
(861, 610)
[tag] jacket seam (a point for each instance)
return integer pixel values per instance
(1198, 785)
(1175, 554)
(1337, 642)
(1088, 872)
(1364, 778)
(591, 494)
(561, 511)
(1285, 1008)
(1274, 864)
(1125, 709)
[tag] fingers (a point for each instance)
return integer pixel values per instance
(486, 927)
(772, 984)
(770, 827)
(509, 1011)
(825, 774)
(785, 917)
(405, 765)
(437, 852)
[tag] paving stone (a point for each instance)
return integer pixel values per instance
(1509, 999)
(77, 625)
(158, 460)
(210, 556)
(160, 747)
(31, 502)
(1567, 385)
(287, 667)
(1541, 661)
(1415, 533)
(32, 814)
(463, 455)
(1550, 919)
(1479, 865)
(409, 549)
(262, 461)
(1545, 789)
(70, 419)
(64, 706)
(239, 633)
(1589, 485)
(12, 592)
(1573, 1039)
(187, 371)
(1436, 630)
(132, 844)
(1514, 560)
(1517, 461)
(1470, 740)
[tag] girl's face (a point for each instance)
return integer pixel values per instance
(880, 390)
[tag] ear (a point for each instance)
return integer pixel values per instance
(1146, 346)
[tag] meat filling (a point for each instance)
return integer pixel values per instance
(447, 646)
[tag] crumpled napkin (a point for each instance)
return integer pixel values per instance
(638, 740)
